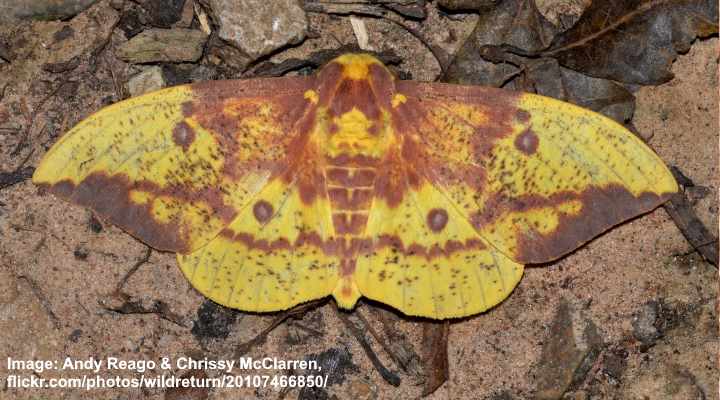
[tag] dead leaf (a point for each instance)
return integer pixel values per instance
(435, 355)
(633, 41)
(513, 22)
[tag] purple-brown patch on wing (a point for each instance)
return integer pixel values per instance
(414, 117)
(602, 208)
(522, 116)
(263, 211)
(110, 198)
(391, 185)
(437, 218)
(425, 155)
(435, 251)
(183, 135)
(249, 241)
(223, 107)
(330, 247)
(527, 142)
(309, 180)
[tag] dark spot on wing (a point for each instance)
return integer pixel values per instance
(437, 218)
(263, 211)
(527, 142)
(183, 135)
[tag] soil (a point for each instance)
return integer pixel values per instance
(60, 267)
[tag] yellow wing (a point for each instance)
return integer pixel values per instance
(274, 255)
(488, 180)
(536, 177)
(176, 166)
(428, 260)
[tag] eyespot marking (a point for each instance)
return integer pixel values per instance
(437, 218)
(262, 211)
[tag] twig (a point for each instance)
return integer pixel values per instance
(680, 210)
(442, 56)
(386, 374)
(262, 336)
(30, 117)
(8, 179)
(398, 361)
(145, 258)
(699, 237)
(123, 303)
(44, 302)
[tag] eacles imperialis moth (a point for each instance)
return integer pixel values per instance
(428, 197)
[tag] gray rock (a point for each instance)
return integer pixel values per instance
(168, 45)
(572, 345)
(644, 324)
(258, 27)
(148, 80)
(46, 10)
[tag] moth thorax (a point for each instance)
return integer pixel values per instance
(354, 133)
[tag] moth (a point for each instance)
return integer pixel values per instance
(428, 197)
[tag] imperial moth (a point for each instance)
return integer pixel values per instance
(428, 197)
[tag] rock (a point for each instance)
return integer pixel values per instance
(259, 27)
(163, 14)
(226, 58)
(82, 35)
(562, 13)
(178, 74)
(414, 10)
(336, 364)
(47, 10)
(570, 348)
(146, 81)
(58, 46)
(167, 45)
(466, 5)
(644, 324)
(213, 321)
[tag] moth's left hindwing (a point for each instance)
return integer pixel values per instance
(176, 166)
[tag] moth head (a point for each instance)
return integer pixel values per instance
(354, 93)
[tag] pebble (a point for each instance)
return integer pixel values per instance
(46, 10)
(148, 80)
(644, 324)
(259, 27)
(163, 45)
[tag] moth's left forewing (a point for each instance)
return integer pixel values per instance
(536, 177)
(174, 167)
